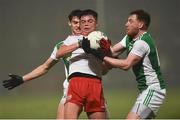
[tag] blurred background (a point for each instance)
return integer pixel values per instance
(29, 30)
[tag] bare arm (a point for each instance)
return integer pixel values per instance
(117, 49)
(65, 49)
(40, 70)
(124, 64)
(106, 68)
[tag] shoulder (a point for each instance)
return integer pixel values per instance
(72, 39)
(141, 44)
(140, 48)
(59, 44)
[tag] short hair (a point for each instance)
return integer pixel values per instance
(74, 13)
(90, 12)
(142, 16)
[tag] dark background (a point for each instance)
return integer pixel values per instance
(29, 30)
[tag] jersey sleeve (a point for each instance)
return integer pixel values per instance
(67, 41)
(123, 41)
(53, 54)
(140, 48)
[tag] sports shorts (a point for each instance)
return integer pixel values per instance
(87, 92)
(149, 101)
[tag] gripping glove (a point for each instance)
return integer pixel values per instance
(99, 53)
(85, 45)
(13, 81)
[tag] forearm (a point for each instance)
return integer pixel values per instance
(66, 50)
(117, 50)
(39, 71)
(117, 63)
(105, 68)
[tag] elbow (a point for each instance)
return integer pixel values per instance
(126, 67)
(45, 68)
(59, 55)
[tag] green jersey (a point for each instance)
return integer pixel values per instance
(147, 71)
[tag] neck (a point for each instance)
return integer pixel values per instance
(85, 33)
(139, 33)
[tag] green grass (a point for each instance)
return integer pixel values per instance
(119, 104)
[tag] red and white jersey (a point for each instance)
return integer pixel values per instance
(81, 61)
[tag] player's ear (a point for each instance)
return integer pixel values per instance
(141, 25)
(69, 23)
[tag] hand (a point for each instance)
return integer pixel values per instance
(85, 44)
(105, 45)
(99, 53)
(14, 81)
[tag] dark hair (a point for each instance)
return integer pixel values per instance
(90, 12)
(76, 12)
(142, 16)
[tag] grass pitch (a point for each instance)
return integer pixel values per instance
(45, 106)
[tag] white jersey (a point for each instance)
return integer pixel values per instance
(81, 61)
(65, 60)
(66, 64)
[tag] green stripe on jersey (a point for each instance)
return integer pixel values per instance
(65, 58)
(138, 69)
(154, 59)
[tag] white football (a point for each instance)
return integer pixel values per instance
(95, 38)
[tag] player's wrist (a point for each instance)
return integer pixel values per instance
(24, 79)
(80, 42)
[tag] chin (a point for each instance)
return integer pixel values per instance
(130, 35)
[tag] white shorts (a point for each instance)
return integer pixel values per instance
(65, 88)
(149, 101)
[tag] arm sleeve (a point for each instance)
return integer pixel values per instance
(140, 48)
(53, 54)
(68, 41)
(123, 41)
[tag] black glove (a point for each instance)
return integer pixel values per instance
(14, 81)
(99, 53)
(85, 44)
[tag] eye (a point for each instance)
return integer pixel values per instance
(130, 21)
(83, 21)
(75, 22)
(91, 21)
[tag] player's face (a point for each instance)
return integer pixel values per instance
(87, 24)
(74, 24)
(133, 25)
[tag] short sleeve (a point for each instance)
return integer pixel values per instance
(123, 41)
(53, 54)
(67, 41)
(140, 48)
(71, 39)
